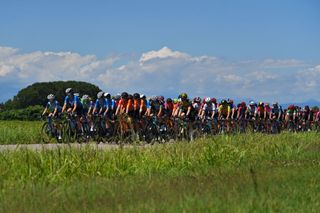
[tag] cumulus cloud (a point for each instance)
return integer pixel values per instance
(163, 71)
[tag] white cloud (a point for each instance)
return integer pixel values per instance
(281, 63)
(165, 52)
(165, 72)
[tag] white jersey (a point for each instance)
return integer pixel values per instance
(209, 108)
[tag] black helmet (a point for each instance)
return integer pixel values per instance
(124, 95)
(130, 96)
(169, 100)
(136, 96)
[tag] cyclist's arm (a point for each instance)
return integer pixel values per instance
(188, 111)
(64, 107)
(160, 111)
(45, 111)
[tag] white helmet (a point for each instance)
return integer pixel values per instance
(208, 100)
(50, 97)
(100, 94)
(85, 97)
(69, 90)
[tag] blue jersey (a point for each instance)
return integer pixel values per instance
(52, 106)
(110, 103)
(72, 101)
(101, 103)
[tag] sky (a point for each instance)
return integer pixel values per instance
(264, 50)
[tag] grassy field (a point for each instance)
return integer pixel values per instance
(20, 132)
(244, 173)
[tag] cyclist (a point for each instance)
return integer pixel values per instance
(209, 109)
(122, 105)
(251, 110)
(109, 106)
(72, 104)
(88, 107)
(109, 109)
(267, 111)
(241, 112)
(184, 106)
(276, 112)
(155, 107)
(52, 107)
(100, 105)
(233, 109)
(168, 107)
(54, 111)
(196, 104)
(224, 110)
(144, 105)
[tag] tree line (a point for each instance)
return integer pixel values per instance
(29, 102)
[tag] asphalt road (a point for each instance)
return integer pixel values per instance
(40, 147)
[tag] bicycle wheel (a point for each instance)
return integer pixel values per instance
(46, 133)
(69, 134)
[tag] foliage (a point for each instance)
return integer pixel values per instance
(30, 113)
(36, 94)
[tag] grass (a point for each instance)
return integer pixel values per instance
(242, 173)
(20, 132)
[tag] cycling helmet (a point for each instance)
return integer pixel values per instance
(261, 103)
(100, 94)
(69, 91)
(136, 96)
(306, 107)
(85, 97)
(124, 95)
(213, 100)
(243, 104)
(130, 96)
(50, 97)
(169, 100)
(107, 95)
(184, 95)
(252, 103)
(161, 98)
(208, 100)
(175, 100)
(117, 97)
(266, 104)
(223, 101)
(197, 100)
(76, 94)
(142, 96)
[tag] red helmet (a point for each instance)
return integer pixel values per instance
(213, 100)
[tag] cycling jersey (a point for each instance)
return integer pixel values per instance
(87, 104)
(101, 103)
(209, 108)
(155, 106)
(72, 101)
(110, 104)
(224, 109)
(168, 108)
(52, 106)
(184, 105)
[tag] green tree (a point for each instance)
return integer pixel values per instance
(36, 94)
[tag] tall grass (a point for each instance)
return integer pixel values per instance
(20, 132)
(241, 173)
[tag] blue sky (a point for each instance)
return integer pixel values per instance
(285, 33)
